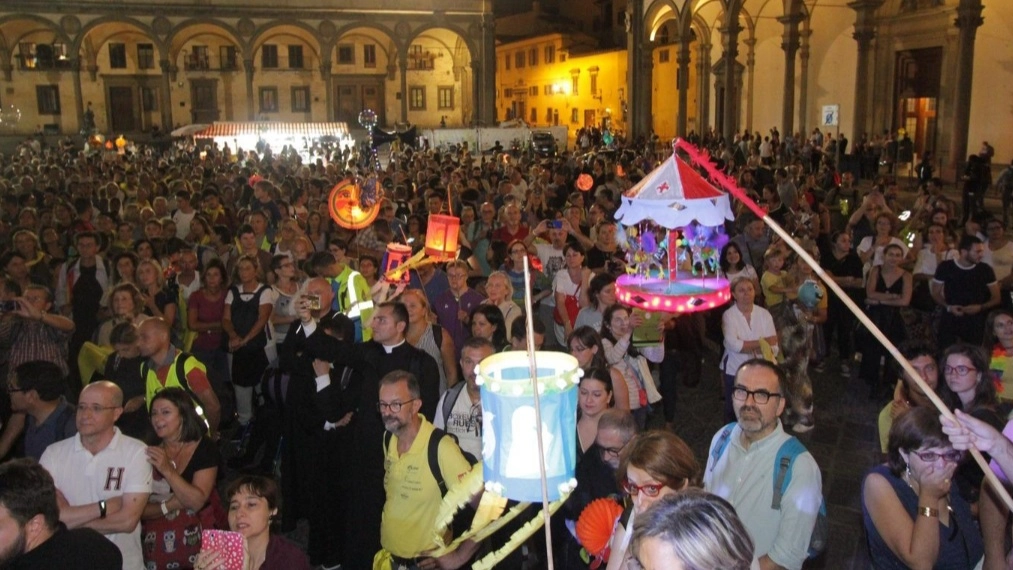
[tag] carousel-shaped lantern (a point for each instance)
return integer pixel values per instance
(672, 226)
(346, 207)
(441, 237)
(509, 437)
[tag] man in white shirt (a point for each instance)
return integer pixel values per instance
(459, 411)
(102, 477)
(183, 215)
(743, 459)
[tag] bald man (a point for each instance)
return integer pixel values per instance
(102, 477)
(167, 367)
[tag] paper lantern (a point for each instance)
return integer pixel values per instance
(510, 459)
(121, 142)
(347, 210)
(585, 182)
(596, 524)
(441, 237)
(396, 256)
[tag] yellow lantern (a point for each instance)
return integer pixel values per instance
(441, 237)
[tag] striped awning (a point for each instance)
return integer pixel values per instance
(256, 128)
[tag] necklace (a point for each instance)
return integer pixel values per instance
(175, 456)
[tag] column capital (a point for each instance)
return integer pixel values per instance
(791, 19)
(325, 68)
(865, 6)
(969, 17)
(864, 36)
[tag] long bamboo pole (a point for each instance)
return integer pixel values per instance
(726, 182)
(529, 318)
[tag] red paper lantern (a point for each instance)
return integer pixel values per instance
(585, 182)
(346, 209)
(397, 255)
(441, 237)
(595, 526)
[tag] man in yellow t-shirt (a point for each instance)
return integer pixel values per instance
(413, 493)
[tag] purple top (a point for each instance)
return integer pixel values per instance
(446, 307)
(283, 555)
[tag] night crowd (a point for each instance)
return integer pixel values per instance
(190, 343)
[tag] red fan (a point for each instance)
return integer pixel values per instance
(595, 526)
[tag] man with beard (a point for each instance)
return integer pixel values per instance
(31, 534)
(387, 352)
(743, 456)
(413, 491)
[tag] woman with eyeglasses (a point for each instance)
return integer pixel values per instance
(914, 516)
(285, 288)
(653, 465)
(969, 388)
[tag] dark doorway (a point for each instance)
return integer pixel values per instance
(353, 96)
(919, 73)
(204, 100)
(121, 109)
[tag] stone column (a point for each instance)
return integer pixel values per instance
(803, 95)
(704, 97)
(75, 64)
(968, 21)
(730, 39)
(166, 66)
(325, 76)
(790, 44)
(402, 64)
(865, 33)
(750, 66)
(478, 106)
(683, 59)
(485, 103)
(251, 110)
(639, 64)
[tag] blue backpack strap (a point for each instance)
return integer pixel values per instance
(783, 463)
(722, 443)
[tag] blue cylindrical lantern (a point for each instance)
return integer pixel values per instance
(509, 436)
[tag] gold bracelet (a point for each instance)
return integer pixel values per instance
(928, 512)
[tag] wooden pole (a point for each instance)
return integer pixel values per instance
(728, 184)
(546, 514)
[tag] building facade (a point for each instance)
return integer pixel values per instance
(133, 64)
(936, 68)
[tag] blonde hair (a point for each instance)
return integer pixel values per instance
(506, 281)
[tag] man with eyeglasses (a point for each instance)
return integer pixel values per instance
(413, 493)
(103, 477)
(743, 457)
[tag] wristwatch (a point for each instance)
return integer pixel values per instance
(165, 510)
(102, 509)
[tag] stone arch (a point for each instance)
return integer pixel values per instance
(13, 30)
(294, 28)
(474, 51)
(116, 26)
(379, 34)
(187, 30)
(660, 13)
(363, 25)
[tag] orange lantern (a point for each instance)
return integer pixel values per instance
(441, 237)
(347, 210)
(584, 182)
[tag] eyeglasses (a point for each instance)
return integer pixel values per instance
(959, 370)
(393, 406)
(759, 396)
(94, 408)
(609, 451)
(952, 456)
(650, 489)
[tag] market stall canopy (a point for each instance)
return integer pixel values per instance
(674, 195)
(189, 130)
(259, 128)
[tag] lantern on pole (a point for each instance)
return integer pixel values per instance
(346, 208)
(396, 256)
(441, 237)
(509, 433)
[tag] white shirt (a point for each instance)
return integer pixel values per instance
(737, 331)
(464, 423)
(83, 478)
